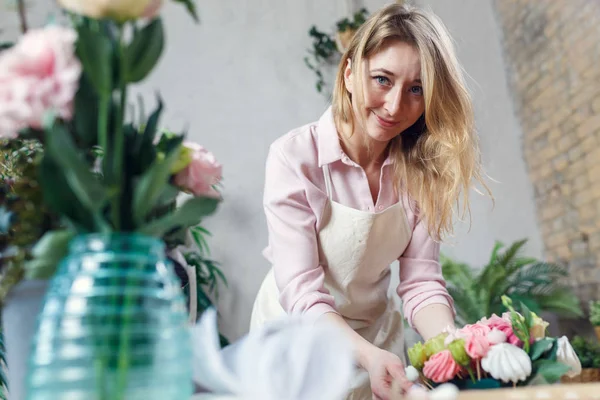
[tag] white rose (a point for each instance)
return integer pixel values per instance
(121, 10)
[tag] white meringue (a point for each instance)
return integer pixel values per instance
(507, 362)
(411, 373)
(566, 355)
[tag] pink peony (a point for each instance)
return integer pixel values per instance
(39, 74)
(477, 329)
(477, 346)
(504, 325)
(202, 172)
(441, 367)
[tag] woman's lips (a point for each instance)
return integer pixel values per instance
(384, 122)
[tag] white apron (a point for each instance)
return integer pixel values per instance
(356, 249)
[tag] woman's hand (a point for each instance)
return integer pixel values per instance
(386, 371)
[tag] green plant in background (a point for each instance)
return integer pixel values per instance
(588, 352)
(595, 313)
(208, 274)
(327, 48)
(478, 292)
(24, 217)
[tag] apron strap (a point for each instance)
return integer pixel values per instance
(327, 176)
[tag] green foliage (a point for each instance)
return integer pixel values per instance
(595, 313)
(324, 50)
(521, 323)
(355, 22)
(535, 284)
(24, 216)
(208, 273)
(190, 7)
(545, 368)
(587, 351)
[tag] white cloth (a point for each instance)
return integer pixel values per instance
(289, 358)
(356, 249)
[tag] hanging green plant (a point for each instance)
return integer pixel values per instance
(327, 49)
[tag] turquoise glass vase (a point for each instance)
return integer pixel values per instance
(113, 325)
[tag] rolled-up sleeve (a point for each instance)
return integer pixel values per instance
(421, 279)
(293, 248)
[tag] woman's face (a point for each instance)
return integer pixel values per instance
(392, 89)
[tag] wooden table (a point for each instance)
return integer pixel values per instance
(573, 391)
(578, 391)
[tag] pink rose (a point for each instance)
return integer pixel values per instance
(504, 325)
(39, 74)
(202, 172)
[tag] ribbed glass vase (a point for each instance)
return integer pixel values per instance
(113, 325)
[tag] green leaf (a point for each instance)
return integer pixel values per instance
(6, 45)
(540, 347)
(151, 185)
(144, 51)
(527, 314)
(497, 246)
(60, 197)
(146, 149)
(85, 117)
(82, 181)
(188, 214)
(551, 371)
(95, 51)
(47, 254)
(191, 8)
(509, 255)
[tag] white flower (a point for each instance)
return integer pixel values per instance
(566, 355)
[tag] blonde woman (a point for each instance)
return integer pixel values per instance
(373, 181)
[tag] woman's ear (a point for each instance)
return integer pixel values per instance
(348, 76)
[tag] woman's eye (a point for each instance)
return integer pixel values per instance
(416, 90)
(382, 80)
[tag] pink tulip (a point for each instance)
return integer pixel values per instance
(202, 172)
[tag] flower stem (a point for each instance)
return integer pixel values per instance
(22, 16)
(119, 140)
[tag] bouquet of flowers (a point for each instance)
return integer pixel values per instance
(77, 156)
(498, 351)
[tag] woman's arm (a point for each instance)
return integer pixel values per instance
(430, 320)
(427, 306)
(293, 248)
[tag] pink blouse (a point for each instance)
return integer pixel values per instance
(294, 200)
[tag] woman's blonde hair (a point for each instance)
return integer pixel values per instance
(437, 158)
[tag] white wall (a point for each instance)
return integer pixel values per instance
(238, 81)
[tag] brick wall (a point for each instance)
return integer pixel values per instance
(552, 53)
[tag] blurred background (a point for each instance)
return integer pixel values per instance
(239, 79)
